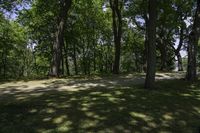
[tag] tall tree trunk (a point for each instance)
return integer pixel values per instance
(89, 66)
(74, 59)
(145, 43)
(177, 51)
(4, 64)
(1, 65)
(84, 61)
(110, 62)
(100, 61)
(180, 63)
(0, 70)
(163, 52)
(116, 6)
(59, 36)
(62, 62)
(94, 61)
(66, 57)
(94, 49)
(145, 53)
(94, 55)
(151, 58)
(192, 46)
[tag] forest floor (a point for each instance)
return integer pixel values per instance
(109, 104)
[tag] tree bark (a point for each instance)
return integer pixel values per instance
(74, 59)
(145, 43)
(4, 64)
(151, 58)
(177, 52)
(62, 61)
(66, 58)
(192, 46)
(59, 36)
(116, 6)
(178, 49)
(84, 62)
(180, 63)
(163, 51)
(94, 60)
(94, 55)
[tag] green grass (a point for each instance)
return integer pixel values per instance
(174, 107)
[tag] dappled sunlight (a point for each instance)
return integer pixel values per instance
(168, 116)
(141, 116)
(186, 95)
(160, 76)
(89, 124)
(60, 119)
(124, 108)
(64, 127)
(197, 109)
(122, 81)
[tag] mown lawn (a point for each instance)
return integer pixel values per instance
(174, 107)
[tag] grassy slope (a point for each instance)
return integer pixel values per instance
(173, 108)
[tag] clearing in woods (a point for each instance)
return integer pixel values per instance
(100, 104)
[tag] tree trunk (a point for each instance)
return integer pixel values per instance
(94, 55)
(151, 58)
(110, 62)
(177, 51)
(145, 54)
(192, 46)
(67, 66)
(94, 61)
(145, 44)
(74, 59)
(116, 7)
(94, 49)
(62, 62)
(163, 52)
(59, 37)
(84, 61)
(4, 64)
(1, 65)
(66, 58)
(180, 63)
(89, 66)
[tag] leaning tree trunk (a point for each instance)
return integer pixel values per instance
(177, 51)
(59, 36)
(116, 6)
(180, 63)
(192, 46)
(151, 54)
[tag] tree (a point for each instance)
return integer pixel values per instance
(151, 49)
(59, 36)
(15, 52)
(71, 43)
(192, 46)
(116, 6)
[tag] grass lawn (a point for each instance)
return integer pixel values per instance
(112, 105)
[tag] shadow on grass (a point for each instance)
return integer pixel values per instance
(174, 108)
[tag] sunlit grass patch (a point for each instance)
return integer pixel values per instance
(173, 107)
